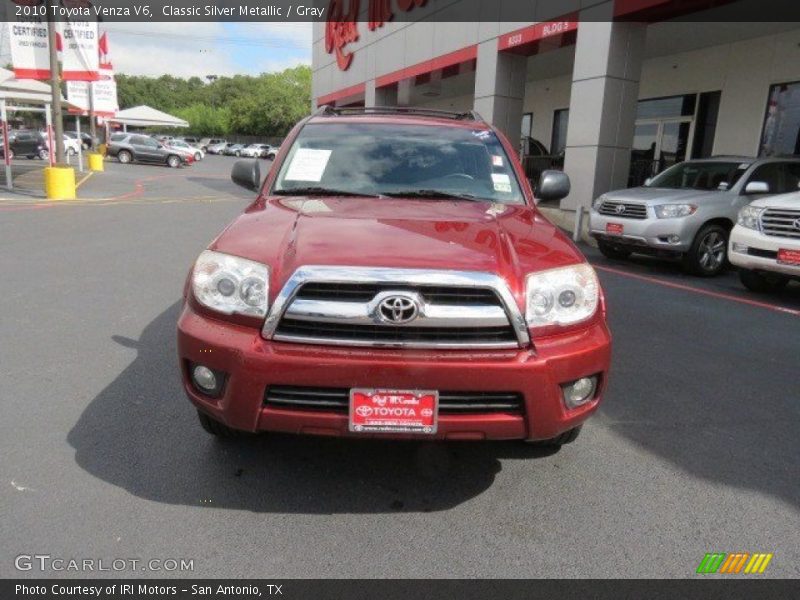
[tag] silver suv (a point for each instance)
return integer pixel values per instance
(688, 211)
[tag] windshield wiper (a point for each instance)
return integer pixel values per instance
(322, 191)
(435, 194)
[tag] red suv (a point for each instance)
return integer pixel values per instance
(394, 278)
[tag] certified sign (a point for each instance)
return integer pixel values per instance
(393, 411)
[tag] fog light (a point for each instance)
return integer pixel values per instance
(204, 378)
(740, 248)
(674, 239)
(579, 392)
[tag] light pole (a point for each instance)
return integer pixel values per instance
(55, 85)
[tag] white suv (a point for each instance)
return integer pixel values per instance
(765, 243)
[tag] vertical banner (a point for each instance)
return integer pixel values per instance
(27, 36)
(79, 52)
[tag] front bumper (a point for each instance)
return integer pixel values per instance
(652, 232)
(754, 251)
(252, 364)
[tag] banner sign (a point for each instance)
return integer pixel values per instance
(79, 51)
(30, 51)
(104, 94)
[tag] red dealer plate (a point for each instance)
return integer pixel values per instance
(393, 411)
(789, 257)
(614, 228)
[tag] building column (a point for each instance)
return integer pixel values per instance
(602, 110)
(404, 87)
(375, 96)
(500, 89)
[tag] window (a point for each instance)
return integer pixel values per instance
(672, 106)
(399, 160)
(707, 113)
(527, 124)
(781, 135)
(560, 123)
(782, 178)
(706, 176)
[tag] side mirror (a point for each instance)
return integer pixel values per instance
(553, 185)
(648, 181)
(757, 187)
(247, 173)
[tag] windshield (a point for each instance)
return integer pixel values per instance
(707, 176)
(399, 159)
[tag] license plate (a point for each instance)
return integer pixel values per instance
(393, 411)
(789, 257)
(614, 228)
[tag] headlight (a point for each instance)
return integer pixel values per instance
(674, 211)
(562, 296)
(749, 217)
(596, 204)
(231, 285)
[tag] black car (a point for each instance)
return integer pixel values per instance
(26, 142)
(129, 147)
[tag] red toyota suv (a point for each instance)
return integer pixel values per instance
(394, 278)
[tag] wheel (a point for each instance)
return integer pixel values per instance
(611, 251)
(71, 152)
(10, 155)
(709, 251)
(762, 283)
(270, 156)
(43, 155)
(215, 427)
(238, 154)
(124, 157)
(198, 157)
(565, 438)
(30, 156)
(173, 161)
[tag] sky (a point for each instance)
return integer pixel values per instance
(201, 49)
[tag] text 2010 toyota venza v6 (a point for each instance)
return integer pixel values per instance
(395, 279)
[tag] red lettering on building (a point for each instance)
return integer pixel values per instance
(380, 12)
(341, 29)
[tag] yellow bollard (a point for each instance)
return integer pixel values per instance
(59, 183)
(95, 161)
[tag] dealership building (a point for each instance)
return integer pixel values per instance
(612, 90)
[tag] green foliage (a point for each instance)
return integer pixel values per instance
(267, 105)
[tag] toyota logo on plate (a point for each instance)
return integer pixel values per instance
(620, 209)
(398, 310)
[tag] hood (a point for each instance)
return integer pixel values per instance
(653, 196)
(288, 233)
(787, 201)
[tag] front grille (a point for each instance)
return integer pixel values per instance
(623, 210)
(380, 334)
(338, 400)
(781, 222)
(364, 292)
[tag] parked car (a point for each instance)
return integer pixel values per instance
(206, 143)
(196, 153)
(233, 150)
(255, 151)
(271, 153)
(688, 211)
(130, 147)
(192, 141)
(390, 281)
(87, 141)
(26, 142)
(218, 148)
(72, 146)
(765, 243)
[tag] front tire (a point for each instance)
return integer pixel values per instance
(709, 252)
(216, 428)
(71, 152)
(173, 161)
(198, 157)
(43, 155)
(611, 251)
(124, 157)
(762, 283)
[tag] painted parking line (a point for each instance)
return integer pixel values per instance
(701, 291)
(84, 179)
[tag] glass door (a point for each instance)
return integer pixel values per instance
(657, 145)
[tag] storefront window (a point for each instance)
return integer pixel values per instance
(673, 106)
(560, 122)
(527, 124)
(782, 125)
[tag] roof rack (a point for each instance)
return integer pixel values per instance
(331, 111)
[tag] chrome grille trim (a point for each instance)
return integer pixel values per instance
(632, 210)
(780, 222)
(401, 278)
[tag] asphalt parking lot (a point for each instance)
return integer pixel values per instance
(695, 450)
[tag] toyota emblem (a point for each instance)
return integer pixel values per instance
(797, 224)
(620, 209)
(398, 310)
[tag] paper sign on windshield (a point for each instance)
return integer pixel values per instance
(308, 164)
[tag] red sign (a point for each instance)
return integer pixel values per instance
(614, 228)
(393, 411)
(540, 31)
(789, 257)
